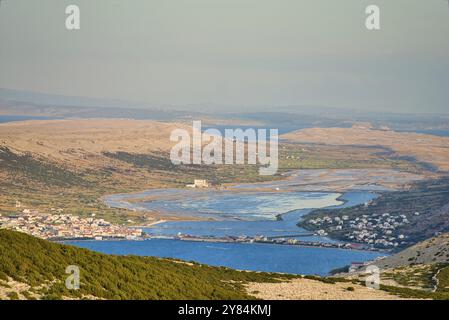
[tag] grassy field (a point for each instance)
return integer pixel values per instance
(320, 156)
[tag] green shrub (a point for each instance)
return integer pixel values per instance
(37, 262)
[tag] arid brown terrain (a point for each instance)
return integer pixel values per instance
(72, 164)
(429, 149)
(80, 140)
(309, 289)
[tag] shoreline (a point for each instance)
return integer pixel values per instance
(299, 245)
(149, 225)
(251, 240)
(169, 216)
(279, 217)
(256, 187)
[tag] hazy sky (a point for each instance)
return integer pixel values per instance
(232, 52)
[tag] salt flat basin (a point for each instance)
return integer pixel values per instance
(286, 225)
(302, 189)
(248, 206)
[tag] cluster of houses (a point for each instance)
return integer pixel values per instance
(65, 226)
(380, 230)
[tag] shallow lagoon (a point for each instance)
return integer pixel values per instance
(225, 205)
(243, 256)
(286, 225)
(12, 118)
(244, 206)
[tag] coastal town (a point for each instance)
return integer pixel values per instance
(60, 226)
(379, 230)
(365, 232)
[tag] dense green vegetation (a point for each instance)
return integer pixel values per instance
(42, 265)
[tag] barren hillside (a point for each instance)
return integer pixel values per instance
(68, 140)
(434, 250)
(425, 148)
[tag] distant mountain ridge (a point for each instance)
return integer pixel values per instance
(46, 99)
(16, 102)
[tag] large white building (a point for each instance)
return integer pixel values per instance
(199, 183)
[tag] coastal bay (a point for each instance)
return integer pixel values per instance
(240, 256)
(249, 210)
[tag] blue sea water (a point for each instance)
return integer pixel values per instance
(245, 256)
(11, 118)
(240, 256)
(433, 132)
